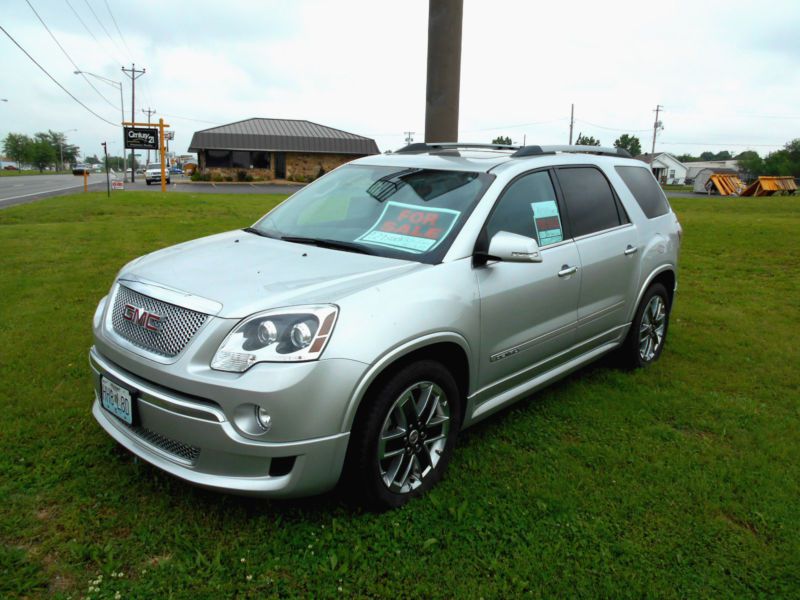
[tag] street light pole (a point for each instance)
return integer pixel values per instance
(117, 84)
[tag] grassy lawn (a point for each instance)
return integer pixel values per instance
(674, 187)
(4, 173)
(679, 481)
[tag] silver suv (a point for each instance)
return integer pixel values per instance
(354, 330)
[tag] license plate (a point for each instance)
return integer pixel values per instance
(117, 400)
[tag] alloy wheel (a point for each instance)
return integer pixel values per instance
(652, 328)
(413, 437)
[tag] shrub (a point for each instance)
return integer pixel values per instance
(321, 171)
(241, 176)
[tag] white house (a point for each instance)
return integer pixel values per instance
(693, 168)
(665, 167)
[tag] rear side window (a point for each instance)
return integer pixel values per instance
(528, 207)
(645, 189)
(591, 204)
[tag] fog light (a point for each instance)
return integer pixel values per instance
(263, 418)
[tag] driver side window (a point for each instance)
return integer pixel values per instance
(528, 207)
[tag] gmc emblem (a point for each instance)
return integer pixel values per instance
(142, 318)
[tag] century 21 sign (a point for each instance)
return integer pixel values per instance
(141, 138)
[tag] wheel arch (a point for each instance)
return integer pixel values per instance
(665, 274)
(450, 349)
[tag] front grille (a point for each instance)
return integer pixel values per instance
(179, 449)
(175, 325)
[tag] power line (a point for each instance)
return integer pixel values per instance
(613, 128)
(82, 22)
(103, 27)
(17, 44)
(77, 68)
(202, 120)
(111, 14)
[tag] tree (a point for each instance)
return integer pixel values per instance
(686, 158)
(630, 143)
(723, 155)
(707, 155)
(16, 147)
(586, 140)
(92, 160)
(502, 140)
(41, 154)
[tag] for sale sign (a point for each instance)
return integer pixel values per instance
(141, 138)
(410, 228)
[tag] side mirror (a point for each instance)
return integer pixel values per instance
(512, 247)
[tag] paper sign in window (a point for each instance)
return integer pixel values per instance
(410, 228)
(547, 222)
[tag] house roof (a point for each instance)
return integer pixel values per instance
(649, 158)
(281, 135)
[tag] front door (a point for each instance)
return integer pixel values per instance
(608, 245)
(280, 165)
(528, 310)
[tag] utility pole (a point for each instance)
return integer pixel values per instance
(571, 122)
(656, 126)
(108, 180)
(148, 111)
(134, 74)
(409, 136)
(444, 70)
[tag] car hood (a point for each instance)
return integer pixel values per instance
(245, 273)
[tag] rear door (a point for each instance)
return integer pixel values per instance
(528, 310)
(608, 245)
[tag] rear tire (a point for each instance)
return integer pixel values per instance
(648, 332)
(403, 440)
(147, 181)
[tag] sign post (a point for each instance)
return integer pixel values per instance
(143, 136)
(108, 180)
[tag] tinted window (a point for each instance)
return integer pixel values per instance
(528, 207)
(218, 158)
(590, 202)
(240, 159)
(645, 189)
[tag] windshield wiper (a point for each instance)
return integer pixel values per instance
(326, 243)
(259, 232)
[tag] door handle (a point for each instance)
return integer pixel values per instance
(631, 250)
(567, 270)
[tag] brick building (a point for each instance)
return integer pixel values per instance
(277, 148)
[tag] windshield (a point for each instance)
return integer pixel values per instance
(396, 212)
(154, 166)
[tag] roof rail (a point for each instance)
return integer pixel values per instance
(425, 147)
(602, 150)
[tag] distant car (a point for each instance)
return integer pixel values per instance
(153, 173)
(176, 170)
(140, 171)
(10, 168)
(81, 169)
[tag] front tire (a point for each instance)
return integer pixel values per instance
(648, 332)
(147, 181)
(401, 445)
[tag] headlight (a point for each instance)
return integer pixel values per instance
(282, 335)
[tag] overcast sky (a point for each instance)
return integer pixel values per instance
(727, 73)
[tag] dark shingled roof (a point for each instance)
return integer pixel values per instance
(281, 135)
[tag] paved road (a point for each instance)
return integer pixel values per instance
(26, 188)
(181, 184)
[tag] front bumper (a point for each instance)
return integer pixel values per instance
(194, 440)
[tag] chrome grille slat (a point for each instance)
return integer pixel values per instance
(178, 324)
(180, 450)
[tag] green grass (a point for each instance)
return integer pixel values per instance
(682, 480)
(674, 187)
(4, 173)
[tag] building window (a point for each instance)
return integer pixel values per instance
(259, 160)
(672, 173)
(240, 159)
(218, 158)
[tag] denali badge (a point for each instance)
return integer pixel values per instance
(142, 318)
